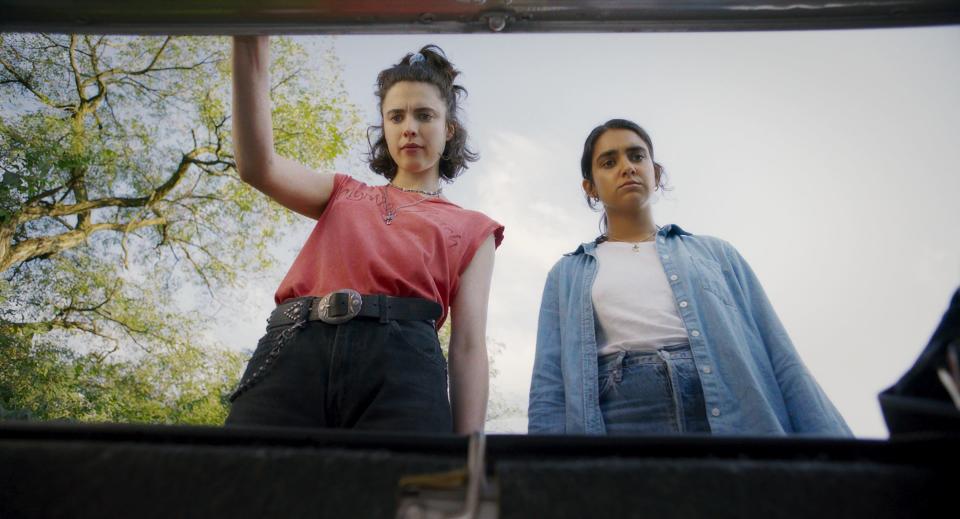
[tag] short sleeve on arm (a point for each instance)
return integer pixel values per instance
(479, 228)
(339, 180)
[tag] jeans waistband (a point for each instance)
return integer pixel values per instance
(632, 358)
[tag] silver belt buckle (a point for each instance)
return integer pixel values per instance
(330, 308)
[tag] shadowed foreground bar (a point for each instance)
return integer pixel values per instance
(80, 471)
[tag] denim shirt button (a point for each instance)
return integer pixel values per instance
(666, 256)
(715, 412)
(707, 370)
(695, 333)
(683, 304)
(674, 277)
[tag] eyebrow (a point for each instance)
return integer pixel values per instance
(415, 110)
(610, 153)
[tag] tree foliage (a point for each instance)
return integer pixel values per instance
(183, 384)
(122, 216)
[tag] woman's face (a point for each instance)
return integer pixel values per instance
(415, 126)
(623, 173)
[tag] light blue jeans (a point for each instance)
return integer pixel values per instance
(651, 392)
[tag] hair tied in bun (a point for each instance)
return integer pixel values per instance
(417, 59)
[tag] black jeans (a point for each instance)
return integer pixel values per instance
(362, 374)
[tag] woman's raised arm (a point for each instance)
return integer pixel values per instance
(288, 182)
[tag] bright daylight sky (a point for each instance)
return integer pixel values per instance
(826, 158)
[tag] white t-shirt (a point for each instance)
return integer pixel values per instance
(633, 301)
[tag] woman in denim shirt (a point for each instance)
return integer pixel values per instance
(654, 330)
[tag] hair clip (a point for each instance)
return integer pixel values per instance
(417, 59)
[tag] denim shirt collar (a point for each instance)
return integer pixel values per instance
(589, 248)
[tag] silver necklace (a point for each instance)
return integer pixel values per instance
(391, 214)
(636, 245)
(422, 192)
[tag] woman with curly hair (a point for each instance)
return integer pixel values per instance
(353, 340)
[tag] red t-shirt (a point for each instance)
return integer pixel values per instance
(421, 254)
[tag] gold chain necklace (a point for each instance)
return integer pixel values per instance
(636, 245)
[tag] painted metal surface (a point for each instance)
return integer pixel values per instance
(464, 16)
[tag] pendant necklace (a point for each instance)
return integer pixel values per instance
(391, 214)
(636, 245)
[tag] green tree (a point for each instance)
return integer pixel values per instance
(122, 217)
(41, 379)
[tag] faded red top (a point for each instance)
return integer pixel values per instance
(421, 254)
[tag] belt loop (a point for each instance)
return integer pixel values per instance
(618, 367)
(382, 303)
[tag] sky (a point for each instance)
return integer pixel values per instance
(826, 157)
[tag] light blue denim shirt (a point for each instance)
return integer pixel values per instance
(754, 383)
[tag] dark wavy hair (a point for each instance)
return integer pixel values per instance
(436, 70)
(586, 161)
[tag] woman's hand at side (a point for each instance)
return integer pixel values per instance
(288, 182)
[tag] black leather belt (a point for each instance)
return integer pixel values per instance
(341, 306)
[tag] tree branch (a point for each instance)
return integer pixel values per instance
(40, 196)
(71, 308)
(38, 211)
(45, 210)
(65, 324)
(77, 81)
(156, 57)
(185, 161)
(25, 82)
(197, 268)
(49, 245)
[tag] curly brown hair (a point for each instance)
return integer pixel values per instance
(434, 68)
